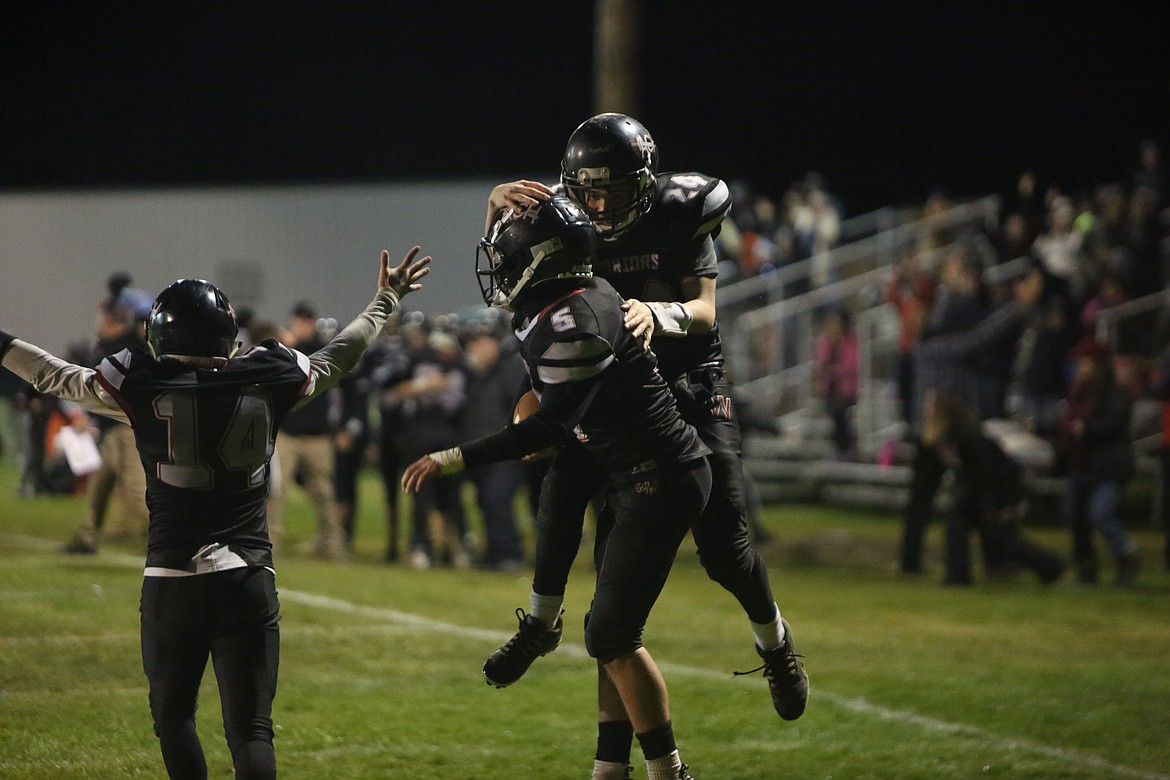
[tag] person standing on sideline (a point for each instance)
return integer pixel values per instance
(1094, 433)
(494, 373)
(836, 376)
(305, 450)
(205, 422)
(121, 470)
(947, 362)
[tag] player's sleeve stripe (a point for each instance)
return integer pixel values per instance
(715, 208)
(576, 349)
(113, 370)
(306, 368)
(572, 361)
(110, 376)
(555, 375)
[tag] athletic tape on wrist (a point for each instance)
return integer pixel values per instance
(671, 319)
(450, 461)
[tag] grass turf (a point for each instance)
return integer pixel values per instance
(380, 665)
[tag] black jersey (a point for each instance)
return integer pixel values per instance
(632, 424)
(205, 437)
(671, 241)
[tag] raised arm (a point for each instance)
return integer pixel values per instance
(54, 376)
(341, 354)
(993, 327)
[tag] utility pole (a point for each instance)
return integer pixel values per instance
(615, 56)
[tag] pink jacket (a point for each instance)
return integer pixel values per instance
(841, 371)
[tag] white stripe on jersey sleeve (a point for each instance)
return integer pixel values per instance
(306, 368)
(113, 369)
(573, 361)
(715, 208)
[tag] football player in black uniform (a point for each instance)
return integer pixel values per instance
(598, 385)
(205, 423)
(657, 251)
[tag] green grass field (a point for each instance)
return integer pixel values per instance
(380, 668)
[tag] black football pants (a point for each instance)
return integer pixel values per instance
(720, 533)
(232, 617)
(650, 519)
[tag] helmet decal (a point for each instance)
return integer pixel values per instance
(608, 169)
(526, 249)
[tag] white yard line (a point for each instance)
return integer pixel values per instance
(850, 703)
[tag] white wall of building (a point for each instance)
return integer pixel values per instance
(317, 242)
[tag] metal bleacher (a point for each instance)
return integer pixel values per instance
(769, 339)
(769, 335)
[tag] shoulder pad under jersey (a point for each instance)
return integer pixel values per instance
(692, 200)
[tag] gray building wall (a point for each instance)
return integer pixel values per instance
(267, 247)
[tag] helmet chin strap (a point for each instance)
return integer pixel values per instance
(539, 253)
(525, 277)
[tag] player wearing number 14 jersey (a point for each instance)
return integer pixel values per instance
(205, 423)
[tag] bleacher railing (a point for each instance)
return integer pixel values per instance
(1131, 328)
(769, 338)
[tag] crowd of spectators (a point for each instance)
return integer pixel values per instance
(429, 383)
(759, 237)
(1084, 393)
(425, 385)
(1093, 250)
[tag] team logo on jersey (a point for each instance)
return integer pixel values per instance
(721, 407)
(647, 488)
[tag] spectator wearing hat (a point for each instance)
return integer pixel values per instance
(1095, 442)
(120, 325)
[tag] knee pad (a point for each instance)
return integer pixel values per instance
(253, 731)
(606, 643)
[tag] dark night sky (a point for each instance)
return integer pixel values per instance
(886, 100)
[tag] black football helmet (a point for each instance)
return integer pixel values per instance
(613, 154)
(192, 318)
(524, 251)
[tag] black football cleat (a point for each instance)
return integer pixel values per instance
(787, 680)
(534, 639)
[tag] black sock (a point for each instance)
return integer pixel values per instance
(657, 742)
(614, 739)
